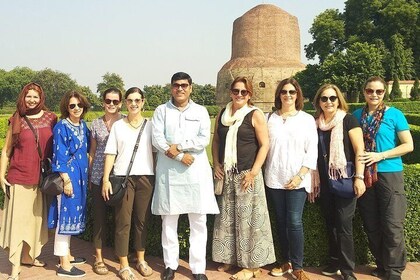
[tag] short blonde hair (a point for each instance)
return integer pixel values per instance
(342, 104)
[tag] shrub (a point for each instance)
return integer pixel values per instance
(213, 110)
(413, 119)
(413, 157)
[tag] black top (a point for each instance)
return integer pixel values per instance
(247, 143)
(349, 122)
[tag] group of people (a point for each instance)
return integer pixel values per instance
(287, 156)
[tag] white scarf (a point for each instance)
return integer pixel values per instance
(337, 163)
(233, 122)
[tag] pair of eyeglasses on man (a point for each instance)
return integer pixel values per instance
(137, 101)
(371, 91)
(73, 105)
(291, 92)
(236, 91)
(331, 98)
(113, 101)
(183, 86)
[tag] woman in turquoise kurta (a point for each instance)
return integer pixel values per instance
(67, 212)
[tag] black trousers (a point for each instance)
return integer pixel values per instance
(100, 227)
(338, 213)
(383, 208)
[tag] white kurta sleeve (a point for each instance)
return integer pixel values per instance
(158, 129)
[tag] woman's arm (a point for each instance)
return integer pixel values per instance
(356, 138)
(5, 158)
(218, 168)
(261, 131)
(92, 152)
(106, 185)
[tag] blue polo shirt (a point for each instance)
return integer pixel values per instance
(393, 122)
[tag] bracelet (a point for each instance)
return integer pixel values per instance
(301, 176)
(383, 156)
(67, 182)
(359, 176)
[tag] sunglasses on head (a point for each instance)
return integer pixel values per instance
(291, 92)
(331, 98)
(113, 101)
(129, 101)
(72, 106)
(371, 91)
(236, 91)
(183, 86)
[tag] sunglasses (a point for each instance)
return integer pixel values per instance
(331, 98)
(236, 91)
(183, 86)
(371, 91)
(137, 101)
(291, 92)
(72, 106)
(113, 101)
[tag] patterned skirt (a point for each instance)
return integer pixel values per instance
(242, 231)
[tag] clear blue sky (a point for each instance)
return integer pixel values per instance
(143, 41)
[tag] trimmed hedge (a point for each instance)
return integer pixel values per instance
(413, 157)
(406, 107)
(413, 119)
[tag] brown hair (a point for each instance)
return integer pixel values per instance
(342, 104)
(299, 94)
(248, 86)
(65, 100)
(374, 79)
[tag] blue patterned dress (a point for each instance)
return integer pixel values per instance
(70, 150)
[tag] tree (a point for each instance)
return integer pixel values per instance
(395, 91)
(110, 80)
(94, 100)
(157, 94)
(12, 82)
(351, 68)
(400, 60)
(328, 34)
(415, 90)
(310, 80)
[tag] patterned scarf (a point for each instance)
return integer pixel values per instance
(369, 133)
(337, 163)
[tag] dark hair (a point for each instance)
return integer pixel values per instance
(181, 76)
(299, 94)
(248, 86)
(112, 90)
(133, 90)
(342, 104)
(65, 100)
(374, 79)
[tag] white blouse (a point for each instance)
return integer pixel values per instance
(293, 144)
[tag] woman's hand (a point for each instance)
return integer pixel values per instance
(370, 158)
(359, 187)
(4, 183)
(68, 188)
(219, 173)
(106, 189)
(293, 183)
(248, 181)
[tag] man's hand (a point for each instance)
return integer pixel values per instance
(187, 159)
(172, 152)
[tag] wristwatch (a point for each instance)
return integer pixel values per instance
(359, 176)
(179, 148)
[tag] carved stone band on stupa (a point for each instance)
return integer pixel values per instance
(266, 49)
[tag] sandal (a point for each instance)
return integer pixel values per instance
(144, 269)
(13, 278)
(36, 263)
(126, 274)
(100, 268)
(246, 274)
(225, 267)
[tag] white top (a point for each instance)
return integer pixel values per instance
(121, 141)
(181, 189)
(293, 144)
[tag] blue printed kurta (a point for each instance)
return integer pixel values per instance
(70, 149)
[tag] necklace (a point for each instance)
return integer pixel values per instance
(137, 123)
(285, 115)
(110, 122)
(73, 123)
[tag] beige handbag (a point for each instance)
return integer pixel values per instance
(218, 186)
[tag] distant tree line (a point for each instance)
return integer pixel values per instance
(371, 37)
(56, 83)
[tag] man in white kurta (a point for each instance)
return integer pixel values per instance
(184, 183)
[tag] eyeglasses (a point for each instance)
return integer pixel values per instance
(291, 92)
(371, 91)
(331, 98)
(137, 101)
(183, 86)
(72, 106)
(113, 101)
(236, 91)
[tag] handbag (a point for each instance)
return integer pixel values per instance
(119, 183)
(342, 187)
(218, 186)
(52, 184)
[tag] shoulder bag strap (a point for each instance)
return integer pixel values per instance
(134, 152)
(35, 134)
(324, 149)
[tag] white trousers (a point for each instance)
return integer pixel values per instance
(198, 242)
(61, 241)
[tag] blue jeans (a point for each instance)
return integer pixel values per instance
(288, 206)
